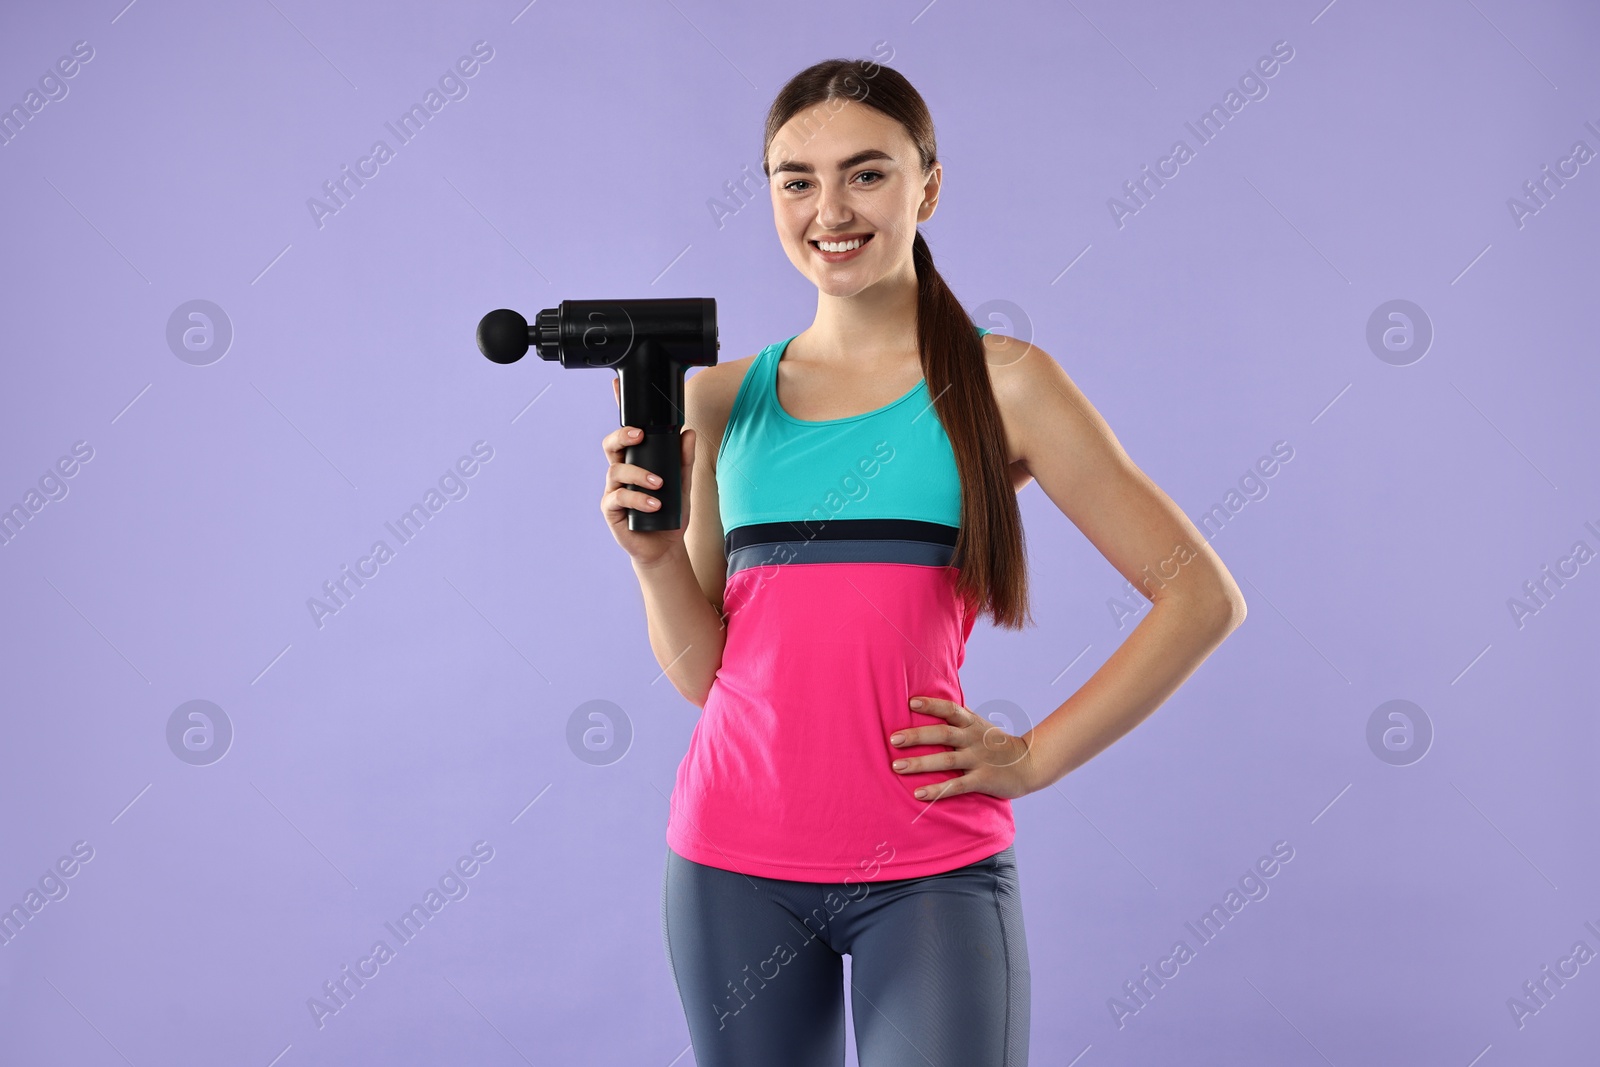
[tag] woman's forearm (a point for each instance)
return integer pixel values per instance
(1163, 650)
(686, 633)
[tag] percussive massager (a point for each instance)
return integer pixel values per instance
(650, 344)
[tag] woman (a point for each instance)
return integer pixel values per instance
(849, 509)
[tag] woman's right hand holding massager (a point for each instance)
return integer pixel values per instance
(645, 547)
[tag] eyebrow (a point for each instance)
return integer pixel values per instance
(844, 164)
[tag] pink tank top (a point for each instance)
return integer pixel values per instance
(841, 606)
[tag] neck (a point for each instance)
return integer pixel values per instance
(882, 319)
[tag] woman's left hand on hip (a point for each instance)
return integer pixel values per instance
(994, 762)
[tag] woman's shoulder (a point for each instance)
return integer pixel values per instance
(1030, 388)
(718, 384)
(709, 393)
(1019, 370)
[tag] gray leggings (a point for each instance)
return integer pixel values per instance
(938, 967)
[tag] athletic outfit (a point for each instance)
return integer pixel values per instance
(790, 838)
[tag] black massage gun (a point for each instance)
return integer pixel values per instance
(650, 344)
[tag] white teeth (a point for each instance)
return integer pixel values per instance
(841, 246)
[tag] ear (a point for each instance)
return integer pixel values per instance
(930, 193)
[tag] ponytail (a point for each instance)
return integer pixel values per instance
(990, 547)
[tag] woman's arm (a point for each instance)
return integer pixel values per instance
(686, 631)
(1061, 440)
(683, 589)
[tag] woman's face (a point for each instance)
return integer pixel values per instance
(840, 171)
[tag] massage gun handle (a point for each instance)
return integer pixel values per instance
(661, 453)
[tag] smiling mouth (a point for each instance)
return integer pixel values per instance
(863, 239)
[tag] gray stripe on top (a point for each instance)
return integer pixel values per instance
(867, 551)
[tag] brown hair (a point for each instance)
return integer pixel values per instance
(990, 537)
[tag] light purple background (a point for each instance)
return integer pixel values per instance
(1228, 314)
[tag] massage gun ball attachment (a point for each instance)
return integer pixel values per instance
(650, 344)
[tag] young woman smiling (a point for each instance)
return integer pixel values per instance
(849, 509)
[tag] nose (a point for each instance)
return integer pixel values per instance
(833, 208)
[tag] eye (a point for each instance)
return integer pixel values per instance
(874, 173)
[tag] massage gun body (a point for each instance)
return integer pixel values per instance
(650, 344)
